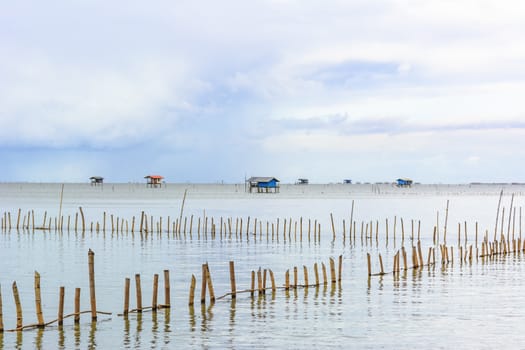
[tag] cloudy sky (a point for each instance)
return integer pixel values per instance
(210, 91)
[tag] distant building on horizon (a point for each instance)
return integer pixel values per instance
(404, 183)
(263, 184)
(347, 181)
(154, 181)
(96, 180)
(302, 182)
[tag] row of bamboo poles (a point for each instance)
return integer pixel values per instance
(507, 244)
(260, 278)
(60, 315)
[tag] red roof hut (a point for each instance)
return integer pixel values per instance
(154, 180)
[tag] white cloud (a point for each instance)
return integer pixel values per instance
(229, 75)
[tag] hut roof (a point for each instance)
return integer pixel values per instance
(96, 178)
(261, 179)
(153, 177)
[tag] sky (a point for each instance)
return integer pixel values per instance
(218, 91)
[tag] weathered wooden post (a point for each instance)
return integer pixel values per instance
(272, 279)
(191, 298)
(305, 271)
(232, 280)
(259, 282)
(126, 296)
(340, 268)
(204, 283)
(369, 264)
(19, 319)
(210, 284)
(91, 266)
(166, 289)
(138, 290)
(332, 271)
(83, 219)
(287, 280)
(38, 301)
(252, 288)
(61, 306)
(77, 305)
(155, 292)
(325, 277)
(316, 273)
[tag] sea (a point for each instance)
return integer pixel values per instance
(463, 300)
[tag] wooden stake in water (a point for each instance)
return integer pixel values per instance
(192, 290)
(166, 289)
(332, 270)
(61, 306)
(83, 219)
(340, 268)
(77, 305)
(92, 296)
(38, 301)
(19, 319)
(204, 283)
(316, 272)
(126, 296)
(232, 280)
(210, 284)
(369, 264)
(138, 290)
(155, 292)
(272, 279)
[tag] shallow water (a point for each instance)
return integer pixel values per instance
(460, 305)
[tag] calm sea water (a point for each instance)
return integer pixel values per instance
(460, 305)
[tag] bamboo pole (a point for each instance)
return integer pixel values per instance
(19, 319)
(77, 305)
(92, 296)
(325, 277)
(60, 207)
(192, 291)
(295, 277)
(61, 306)
(273, 281)
(340, 268)
(18, 219)
(351, 220)
(155, 292)
(316, 273)
(83, 219)
(305, 270)
(252, 288)
(369, 265)
(232, 280)
(259, 282)
(138, 290)
(203, 285)
(332, 271)
(167, 289)
(333, 226)
(287, 280)
(382, 272)
(38, 301)
(210, 284)
(126, 296)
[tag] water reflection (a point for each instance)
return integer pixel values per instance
(61, 338)
(19, 339)
(92, 344)
(38, 338)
